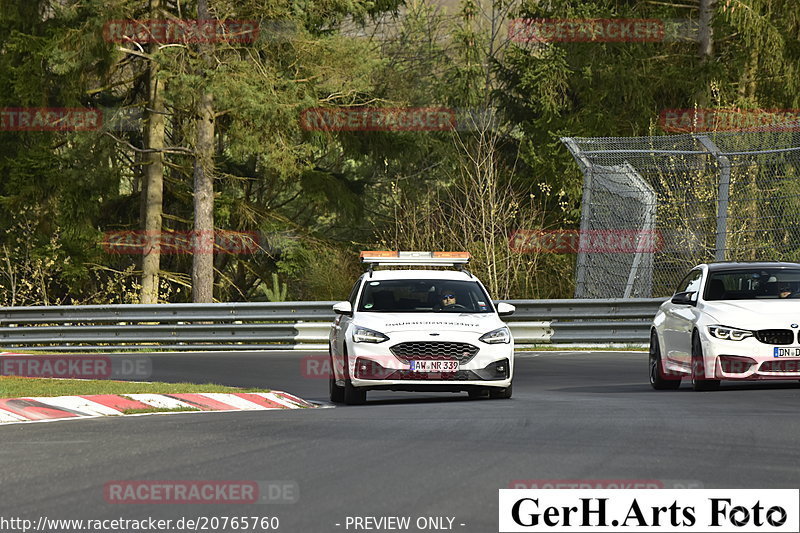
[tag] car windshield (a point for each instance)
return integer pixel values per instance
(753, 284)
(424, 296)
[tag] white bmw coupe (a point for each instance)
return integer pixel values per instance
(728, 321)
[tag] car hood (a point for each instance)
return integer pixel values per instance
(755, 314)
(479, 323)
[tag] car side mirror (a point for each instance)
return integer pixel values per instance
(343, 308)
(684, 298)
(504, 309)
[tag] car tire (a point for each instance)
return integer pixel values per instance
(352, 395)
(502, 394)
(699, 381)
(656, 369)
(336, 391)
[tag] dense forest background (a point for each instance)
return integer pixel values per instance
(212, 135)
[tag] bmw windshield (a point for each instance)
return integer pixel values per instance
(753, 284)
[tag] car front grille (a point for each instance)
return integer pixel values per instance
(460, 351)
(789, 365)
(461, 375)
(775, 336)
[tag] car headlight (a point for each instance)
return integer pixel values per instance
(498, 336)
(729, 334)
(368, 335)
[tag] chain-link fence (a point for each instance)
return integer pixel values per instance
(686, 199)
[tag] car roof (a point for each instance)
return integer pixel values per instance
(746, 265)
(453, 275)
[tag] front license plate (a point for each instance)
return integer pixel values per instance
(786, 352)
(434, 366)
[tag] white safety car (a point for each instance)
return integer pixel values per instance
(728, 321)
(420, 330)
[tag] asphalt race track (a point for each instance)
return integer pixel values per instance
(574, 416)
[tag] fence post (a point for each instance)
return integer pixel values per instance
(586, 203)
(723, 195)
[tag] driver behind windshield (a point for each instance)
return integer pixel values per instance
(447, 300)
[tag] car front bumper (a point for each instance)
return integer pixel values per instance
(750, 359)
(375, 366)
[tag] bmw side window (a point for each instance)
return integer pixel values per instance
(691, 283)
(694, 286)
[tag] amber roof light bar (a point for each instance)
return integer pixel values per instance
(395, 258)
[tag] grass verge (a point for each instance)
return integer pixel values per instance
(17, 387)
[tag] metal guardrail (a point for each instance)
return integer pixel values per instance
(290, 325)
